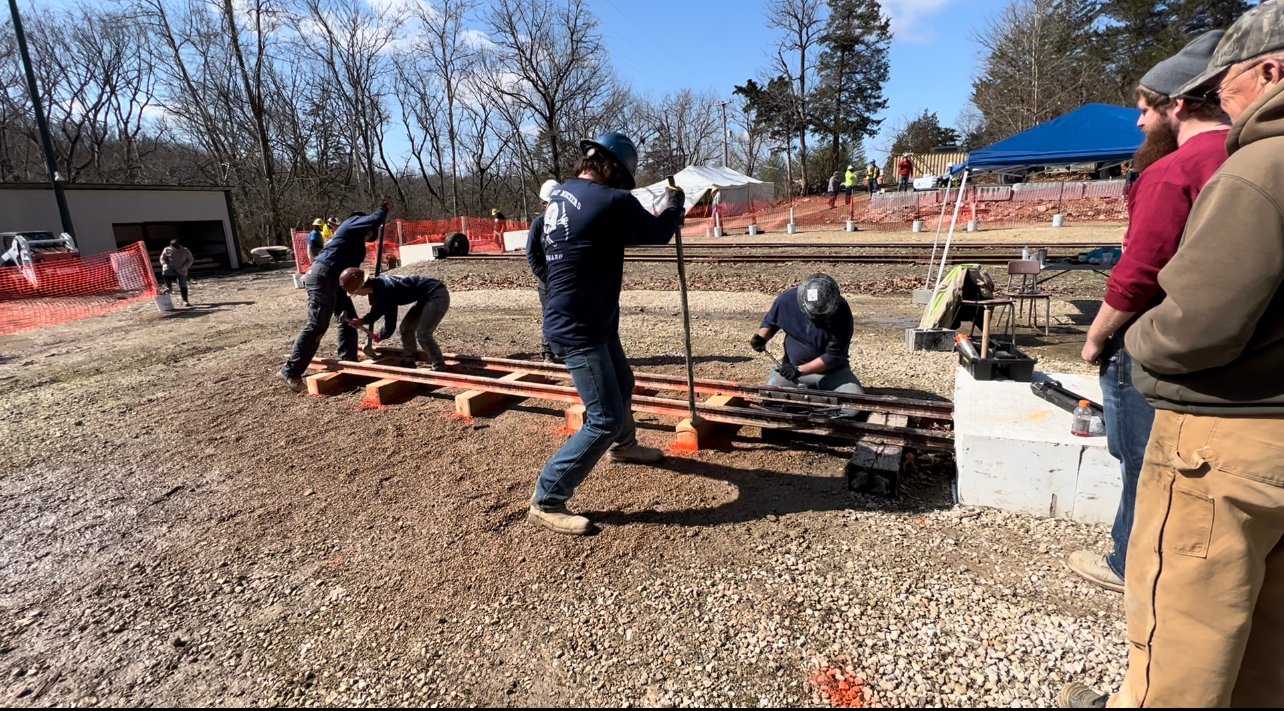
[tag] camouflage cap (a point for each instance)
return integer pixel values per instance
(1256, 32)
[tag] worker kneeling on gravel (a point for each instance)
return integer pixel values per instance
(588, 222)
(430, 297)
(818, 333)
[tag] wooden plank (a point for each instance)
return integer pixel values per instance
(333, 383)
(392, 391)
(875, 466)
(702, 434)
(330, 383)
(480, 403)
(575, 417)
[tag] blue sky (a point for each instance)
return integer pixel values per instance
(663, 45)
(666, 45)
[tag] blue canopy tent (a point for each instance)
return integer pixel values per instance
(1093, 133)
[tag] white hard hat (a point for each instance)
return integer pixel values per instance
(546, 190)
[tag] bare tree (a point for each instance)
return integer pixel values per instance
(751, 138)
(803, 25)
(686, 131)
(1038, 64)
(452, 56)
(547, 59)
(349, 42)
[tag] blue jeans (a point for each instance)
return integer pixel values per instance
(842, 380)
(1128, 421)
(604, 382)
(326, 300)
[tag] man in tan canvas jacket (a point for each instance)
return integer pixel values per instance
(1204, 586)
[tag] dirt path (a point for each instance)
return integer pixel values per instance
(178, 529)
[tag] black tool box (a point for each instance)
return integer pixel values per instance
(1004, 361)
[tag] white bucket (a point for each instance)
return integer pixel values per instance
(973, 225)
(164, 303)
(916, 226)
(753, 229)
(1058, 220)
(791, 228)
(851, 225)
(298, 281)
(717, 232)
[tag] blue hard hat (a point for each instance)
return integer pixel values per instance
(620, 148)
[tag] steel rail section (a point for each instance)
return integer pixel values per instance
(744, 416)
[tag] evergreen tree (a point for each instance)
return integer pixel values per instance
(923, 134)
(1135, 35)
(853, 68)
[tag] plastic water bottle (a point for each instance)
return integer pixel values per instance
(1081, 422)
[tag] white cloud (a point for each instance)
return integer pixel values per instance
(385, 7)
(910, 18)
(476, 39)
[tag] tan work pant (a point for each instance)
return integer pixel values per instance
(1205, 579)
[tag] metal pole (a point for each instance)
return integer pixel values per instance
(949, 237)
(940, 220)
(686, 319)
(42, 127)
(725, 161)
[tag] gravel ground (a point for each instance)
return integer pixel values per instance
(177, 529)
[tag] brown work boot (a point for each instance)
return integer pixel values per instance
(1093, 568)
(1080, 696)
(294, 382)
(558, 519)
(636, 454)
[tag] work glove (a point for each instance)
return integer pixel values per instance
(356, 323)
(789, 372)
(675, 198)
(758, 343)
(376, 337)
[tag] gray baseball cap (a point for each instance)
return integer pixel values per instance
(1256, 32)
(1171, 74)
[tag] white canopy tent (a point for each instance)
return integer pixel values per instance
(739, 191)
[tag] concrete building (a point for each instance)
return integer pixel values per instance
(107, 217)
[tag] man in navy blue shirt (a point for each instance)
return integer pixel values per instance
(535, 258)
(327, 299)
(430, 297)
(818, 335)
(588, 222)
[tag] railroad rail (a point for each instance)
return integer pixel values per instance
(733, 404)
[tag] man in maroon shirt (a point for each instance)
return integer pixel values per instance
(1185, 144)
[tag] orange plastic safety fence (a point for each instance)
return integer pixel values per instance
(61, 290)
(484, 234)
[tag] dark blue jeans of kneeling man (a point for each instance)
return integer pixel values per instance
(604, 382)
(1128, 421)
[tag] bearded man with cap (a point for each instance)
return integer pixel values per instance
(818, 335)
(589, 221)
(1204, 587)
(1185, 143)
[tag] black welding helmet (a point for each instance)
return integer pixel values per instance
(619, 148)
(818, 297)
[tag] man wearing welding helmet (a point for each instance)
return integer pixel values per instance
(818, 334)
